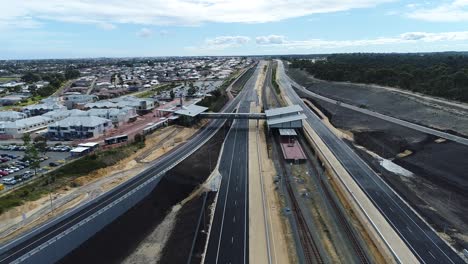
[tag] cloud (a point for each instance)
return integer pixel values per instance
(455, 11)
(145, 33)
(224, 42)
(180, 12)
(408, 37)
(271, 39)
(106, 26)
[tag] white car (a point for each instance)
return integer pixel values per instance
(14, 169)
(9, 181)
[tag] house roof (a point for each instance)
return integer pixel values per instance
(275, 121)
(79, 149)
(283, 110)
(191, 110)
(27, 122)
(12, 114)
(86, 121)
(287, 132)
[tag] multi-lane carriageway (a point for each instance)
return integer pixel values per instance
(425, 244)
(24, 247)
(228, 240)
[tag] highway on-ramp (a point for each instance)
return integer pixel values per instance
(427, 246)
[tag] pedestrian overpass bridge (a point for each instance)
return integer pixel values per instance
(283, 117)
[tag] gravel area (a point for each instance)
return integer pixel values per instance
(443, 116)
(437, 190)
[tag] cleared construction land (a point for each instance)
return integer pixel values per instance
(428, 172)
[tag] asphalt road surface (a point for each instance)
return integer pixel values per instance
(40, 235)
(228, 241)
(427, 246)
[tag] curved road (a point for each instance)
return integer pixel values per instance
(426, 245)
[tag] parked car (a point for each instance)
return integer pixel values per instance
(26, 176)
(4, 173)
(53, 164)
(9, 181)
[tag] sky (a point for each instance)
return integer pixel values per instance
(41, 29)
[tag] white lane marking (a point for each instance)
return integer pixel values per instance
(232, 240)
(227, 190)
(407, 227)
(235, 202)
(430, 253)
(350, 152)
(234, 219)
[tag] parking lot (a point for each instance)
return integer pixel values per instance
(14, 171)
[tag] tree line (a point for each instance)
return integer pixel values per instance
(55, 81)
(439, 74)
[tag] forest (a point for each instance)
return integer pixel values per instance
(438, 74)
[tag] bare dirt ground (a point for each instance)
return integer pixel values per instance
(91, 185)
(437, 189)
(439, 114)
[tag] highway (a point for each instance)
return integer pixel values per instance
(228, 240)
(427, 246)
(48, 231)
(397, 121)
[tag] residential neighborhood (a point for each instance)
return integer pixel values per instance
(95, 96)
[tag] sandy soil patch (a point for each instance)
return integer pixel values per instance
(149, 250)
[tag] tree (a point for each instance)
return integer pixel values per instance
(31, 154)
(40, 142)
(26, 139)
(191, 91)
(71, 73)
(172, 94)
(30, 77)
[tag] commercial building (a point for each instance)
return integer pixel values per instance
(285, 117)
(79, 127)
(77, 100)
(116, 115)
(16, 129)
(46, 106)
(6, 116)
(141, 105)
(57, 115)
